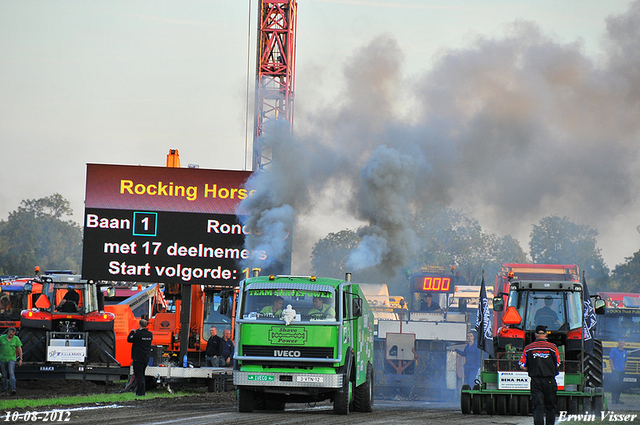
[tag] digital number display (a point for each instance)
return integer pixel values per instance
(432, 284)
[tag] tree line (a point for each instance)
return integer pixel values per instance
(40, 233)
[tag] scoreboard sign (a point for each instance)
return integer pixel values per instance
(432, 283)
(162, 224)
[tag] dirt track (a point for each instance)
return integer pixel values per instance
(207, 408)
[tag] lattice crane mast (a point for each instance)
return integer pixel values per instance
(276, 57)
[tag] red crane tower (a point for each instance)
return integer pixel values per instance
(276, 58)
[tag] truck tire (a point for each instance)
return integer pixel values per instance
(363, 394)
(597, 404)
(465, 400)
(245, 400)
(35, 342)
(100, 342)
(593, 366)
(342, 398)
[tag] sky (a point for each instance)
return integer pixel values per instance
(509, 111)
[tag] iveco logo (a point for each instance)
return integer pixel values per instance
(286, 353)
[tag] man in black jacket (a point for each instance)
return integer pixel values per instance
(140, 352)
(213, 355)
(541, 360)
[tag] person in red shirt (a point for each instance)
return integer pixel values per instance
(541, 360)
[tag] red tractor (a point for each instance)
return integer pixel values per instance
(68, 323)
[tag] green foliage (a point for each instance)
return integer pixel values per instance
(625, 277)
(560, 241)
(330, 254)
(35, 234)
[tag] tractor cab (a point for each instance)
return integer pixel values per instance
(556, 305)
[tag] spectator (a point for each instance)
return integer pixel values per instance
(618, 357)
(472, 355)
(213, 355)
(140, 352)
(227, 348)
(10, 344)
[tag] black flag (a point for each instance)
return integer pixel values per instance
(484, 325)
(589, 319)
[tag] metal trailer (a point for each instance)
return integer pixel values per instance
(412, 360)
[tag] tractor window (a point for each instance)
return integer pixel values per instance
(574, 310)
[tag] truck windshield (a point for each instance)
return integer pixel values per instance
(261, 302)
(11, 305)
(555, 310)
(213, 305)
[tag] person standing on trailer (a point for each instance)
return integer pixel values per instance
(618, 357)
(541, 360)
(472, 355)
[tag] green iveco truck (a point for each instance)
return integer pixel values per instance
(303, 339)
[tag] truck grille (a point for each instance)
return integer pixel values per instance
(285, 352)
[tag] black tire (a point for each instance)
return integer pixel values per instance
(490, 404)
(562, 403)
(246, 400)
(342, 398)
(476, 404)
(363, 394)
(513, 405)
(593, 366)
(259, 401)
(597, 404)
(501, 404)
(35, 342)
(99, 342)
(523, 401)
(465, 399)
(572, 406)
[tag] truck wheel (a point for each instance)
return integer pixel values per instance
(465, 400)
(342, 398)
(33, 340)
(476, 404)
(490, 404)
(100, 342)
(245, 400)
(501, 404)
(363, 394)
(524, 404)
(513, 405)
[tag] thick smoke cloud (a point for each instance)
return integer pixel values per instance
(509, 130)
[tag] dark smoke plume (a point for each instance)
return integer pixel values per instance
(508, 129)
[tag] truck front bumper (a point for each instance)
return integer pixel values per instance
(281, 379)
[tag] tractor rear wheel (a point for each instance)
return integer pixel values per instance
(101, 341)
(593, 367)
(34, 341)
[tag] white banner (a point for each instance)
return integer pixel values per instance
(521, 381)
(66, 354)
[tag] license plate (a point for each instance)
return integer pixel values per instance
(630, 380)
(315, 379)
(260, 378)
